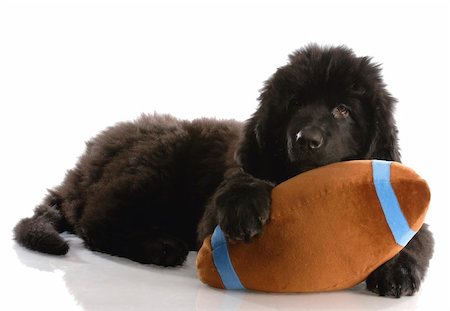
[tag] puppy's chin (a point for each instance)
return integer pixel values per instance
(302, 161)
(304, 164)
(299, 167)
(303, 167)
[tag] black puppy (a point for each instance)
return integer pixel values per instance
(142, 189)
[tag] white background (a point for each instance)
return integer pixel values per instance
(69, 69)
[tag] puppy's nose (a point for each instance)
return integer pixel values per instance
(310, 138)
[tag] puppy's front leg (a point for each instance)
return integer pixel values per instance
(403, 274)
(240, 205)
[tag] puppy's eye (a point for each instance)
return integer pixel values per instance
(340, 112)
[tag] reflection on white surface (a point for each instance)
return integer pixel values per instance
(85, 280)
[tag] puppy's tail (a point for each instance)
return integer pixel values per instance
(41, 231)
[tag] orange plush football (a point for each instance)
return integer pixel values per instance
(329, 229)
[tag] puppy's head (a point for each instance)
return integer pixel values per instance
(326, 105)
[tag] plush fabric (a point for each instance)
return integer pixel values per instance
(327, 229)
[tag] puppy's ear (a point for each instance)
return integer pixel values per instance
(384, 144)
(261, 147)
(251, 153)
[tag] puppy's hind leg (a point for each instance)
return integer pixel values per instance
(143, 247)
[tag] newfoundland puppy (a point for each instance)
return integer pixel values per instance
(151, 189)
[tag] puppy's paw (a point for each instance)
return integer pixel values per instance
(163, 251)
(243, 207)
(394, 280)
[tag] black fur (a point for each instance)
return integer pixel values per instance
(139, 190)
(143, 189)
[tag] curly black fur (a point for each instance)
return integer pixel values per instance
(150, 190)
